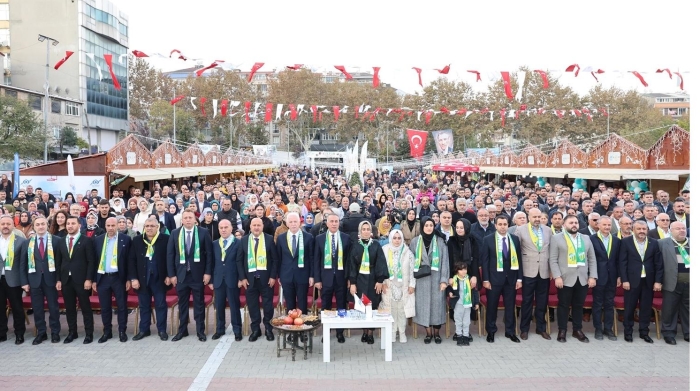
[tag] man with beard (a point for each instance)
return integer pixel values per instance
(607, 251)
(675, 252)
(11, 279)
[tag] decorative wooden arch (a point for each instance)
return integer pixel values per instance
(507, 158)
(672, 151)
(567, 155)
(166, 155)
(229, 157)
(193, 156)
(617, 152)
(129, 153)
(531, 157)
(473, 157)
(487, 159)
(214, 157)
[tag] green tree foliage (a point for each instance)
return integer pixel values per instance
(20, 131)
(355, 179)
(256, 134)
(160, 123)
(147, 86)
(69, 138)
(684, 122)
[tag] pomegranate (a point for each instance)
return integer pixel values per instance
(288, 320)
(298, 321)
(295, 313)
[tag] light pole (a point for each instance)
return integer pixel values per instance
(53, 42)
(608, 111)
(174, 136)
(387, 145)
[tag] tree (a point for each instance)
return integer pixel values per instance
(147, 85)
(255, 134)
(355, 179)
(20, 131)
(684, 122)
(160, 123)
(69, 138)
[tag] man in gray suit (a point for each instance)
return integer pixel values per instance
(11, 255)
(573, 265)
(534, 244)
(675, 252)
(519, 219)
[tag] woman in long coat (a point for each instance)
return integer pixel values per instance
(400, 285)
(367, 271)
(431, 304)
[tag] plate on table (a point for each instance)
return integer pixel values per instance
(383, 313)
(330, 314)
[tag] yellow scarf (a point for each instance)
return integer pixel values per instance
(103, 258)
(576, 254)
(149, 245)
(535, 238)
(10, 256)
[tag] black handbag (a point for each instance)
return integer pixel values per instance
(423, 271)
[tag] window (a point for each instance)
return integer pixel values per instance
(4, 37)
(275, 128)
(55, 106)
(4, 12)
(123, 29)
(35, 101)
(276, 140)
(56, 132)
(72, 109)
(11, 93)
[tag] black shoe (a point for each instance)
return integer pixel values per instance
(141, 335)
(489, 337)
(104, 338)
(71, 337)
(180, 336)
(470, 339)
(55, 338)
(687, 338)
(599, 335)
(40, 338)
(269, 335)
(438, 340)
(628, 338)
(364, 337)
(460, 340)
(254, 336)
(370, 340)
(466, 340)
(239, 337)
(513, 338)
(3, 338)
(163, 335)
(670, 340)
(217, 336)
(30, 311)
(202, 337)
(122, 337)
(19, 339)
(456, 337)
(611, 336)
(428, 339)
(646, 338)
(561, 337)
(341, 338)
(88, 339)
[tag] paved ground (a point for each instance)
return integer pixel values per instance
(225, 365)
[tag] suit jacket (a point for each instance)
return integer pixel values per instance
(322, 274)
(289, 270)
(13, 276)
(559, 261)
(670, 261)
(242, 259)
(631, 263)
(138, 262)
(123, 247)
(489, 267)
(81, 266)
(169, 221)
(533, 260)
(198, 269)
(479, 233)
(225, 267)
(41, 265)
(206, 204)
(607, 265)
(614, 229)
(654, 234)
(588, 231)
(687, 219)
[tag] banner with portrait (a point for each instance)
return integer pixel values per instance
(444, 141)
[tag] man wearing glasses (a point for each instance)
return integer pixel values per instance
(663, 227)
(592, 228)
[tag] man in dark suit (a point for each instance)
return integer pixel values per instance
(39, 276)
(641, 272)
(257, 272)
(225, 281)
(679, 212)
(148, 273)
(190, 264)
(607, 251)
(482, 227)
(592, 228)
(330, 261)
(295, 250)
(11, 247)
(503, 275)
(663, 227)
(164, 216)
(201, 202)
(111, 253)
(675, 252)
(76, 268)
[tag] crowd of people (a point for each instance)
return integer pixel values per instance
(409, 241)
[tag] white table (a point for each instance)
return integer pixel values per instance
(382, 323)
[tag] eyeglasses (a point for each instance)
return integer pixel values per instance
(663, 220)
(594, 220)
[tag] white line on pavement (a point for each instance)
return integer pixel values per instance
(201, 382)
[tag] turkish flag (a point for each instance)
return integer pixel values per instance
(417, 139)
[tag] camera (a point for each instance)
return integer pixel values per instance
(396, 216)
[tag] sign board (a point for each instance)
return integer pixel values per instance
(60, 185)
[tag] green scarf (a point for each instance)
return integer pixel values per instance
(466, 291)
(514, 265)
(399, 275)
(49, 252)
(195, 239)
(103, 258)
(10, 256)
(223, 249)
(327, 252)
(683, 253)
(256, 261)
(435, 261)
(364, 266)
(149, 245)
(576, 254)
(300, 247)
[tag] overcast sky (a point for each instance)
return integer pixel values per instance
(485, 36)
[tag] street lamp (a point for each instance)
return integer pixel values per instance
(608, 111)
(53, 42)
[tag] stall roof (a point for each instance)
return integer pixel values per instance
(611, 174)
(153, 174)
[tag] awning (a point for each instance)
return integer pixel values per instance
(144, 174)
(180, 172)
(609, 174)
(154, 174)
(667, 175)
(455, 167)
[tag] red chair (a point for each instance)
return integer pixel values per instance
(172, 300)
(552, 302)
(132, 303)
(244, 304)
(311, 301)
(588, 302)
(619, 305)
(656, 304)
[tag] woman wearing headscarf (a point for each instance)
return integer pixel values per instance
(367, 271)
(215, 208)
(308, 222)
(431, 250)
(177, 214)
(92, 230)
(206, 220)
(123, 227)
(25, 223)
(400, 284)
(235, 203)
(410, 227)
(69, 198)
(435, 216)
(249, 206)
(141, 217)
(132, 208)
(383, 228)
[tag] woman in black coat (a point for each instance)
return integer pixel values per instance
(367, 279)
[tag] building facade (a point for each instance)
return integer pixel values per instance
(674, 105)
(90, 29)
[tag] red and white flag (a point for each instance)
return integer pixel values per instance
(64, 59)
(417, 139)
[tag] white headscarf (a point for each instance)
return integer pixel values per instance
(390, 245)
(359, 230)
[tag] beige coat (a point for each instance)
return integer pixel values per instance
(559, 261)
(407, 263)
(534, 261)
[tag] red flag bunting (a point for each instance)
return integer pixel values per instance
(503, 118)
(420, 80)
(604, 111)
(224, 107)
(295, 67)
(577, 112)
(177, 99)
(357, 112)
(560, 113)
(445, 110)
(64, 59)
(444, 70)
(210, 66)
(336, 113)
(665, 70)
(246, 108)
(428, 116)
(138, 53)
(506, 84)
(372, 117)
(292, 112)
(543, 75)
(268, 112)
(341, 68)
(314, 111)
(254, 69)
(375, 78)
(417, 139)
(573, 68)
(640, 77)
(180, 55)
(201, 105)
(680, 78)
(478, 75)
(108, 60)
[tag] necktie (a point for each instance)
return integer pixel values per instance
(41, 247)
(257, 242)
(334, 247)
(504, 246)
(189, 240)
(225, 243)
(294, 245)
(70, 244)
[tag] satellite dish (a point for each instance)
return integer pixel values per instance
(57, 90)
(67, 91)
